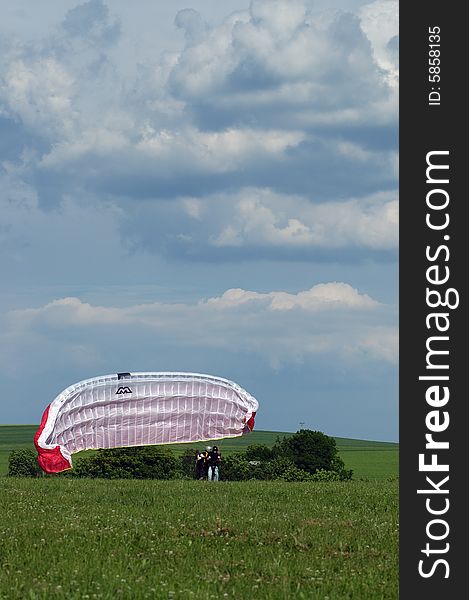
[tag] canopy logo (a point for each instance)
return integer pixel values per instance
(124, 390)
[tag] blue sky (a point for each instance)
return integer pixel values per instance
(207, 187)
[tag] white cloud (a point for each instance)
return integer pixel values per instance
(276, 70)
(39, 92)
(260, 218)
(280, 57)
(324, 296)
(277, 327)
(276, 63)
(55, 85)
(177, 150)
(282, 17)
(382, 343)
(370, 222)
(380, 22)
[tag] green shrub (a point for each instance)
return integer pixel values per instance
(258, 452)
(22, 462)
(235, 468)
(293, 473)
(274, 468)
(187, 463)
(323, 475)
(338, 466)
(143, 462)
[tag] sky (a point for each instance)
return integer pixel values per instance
(203, 186)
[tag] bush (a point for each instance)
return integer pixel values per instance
(238, 468)
(274, 468)
(323, 475)
(338, 466)
(143, 462)
(258, 452)
(187, 463)
(23, 463)
(293, 473)
(235, 468)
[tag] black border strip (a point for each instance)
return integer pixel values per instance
(429, 124)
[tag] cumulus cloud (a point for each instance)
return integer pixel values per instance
(173, 152)
(276, 327)
(254, 220)
(263, 218)
(324, 296)
(263, 69)
(273, 127)
(278, 57)
(39, 93)
(49, 85)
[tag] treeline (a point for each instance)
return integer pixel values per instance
(305, 456)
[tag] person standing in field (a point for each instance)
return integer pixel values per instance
(214, 462)
(201, 464)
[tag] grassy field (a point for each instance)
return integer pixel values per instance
(129, 539)
(64, 539)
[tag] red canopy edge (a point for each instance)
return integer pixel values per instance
(50, 460)
(250, 423)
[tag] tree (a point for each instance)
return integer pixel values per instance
(312, 451)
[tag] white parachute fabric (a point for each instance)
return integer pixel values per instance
(141, 409)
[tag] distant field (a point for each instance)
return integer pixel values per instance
(65, 539)
(368, 459)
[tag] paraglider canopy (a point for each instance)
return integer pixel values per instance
(137, 409)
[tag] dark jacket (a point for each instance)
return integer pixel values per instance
(214, 459)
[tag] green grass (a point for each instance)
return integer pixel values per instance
(368, 459)
(14, 436)
(75, 539)
(372, 464)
